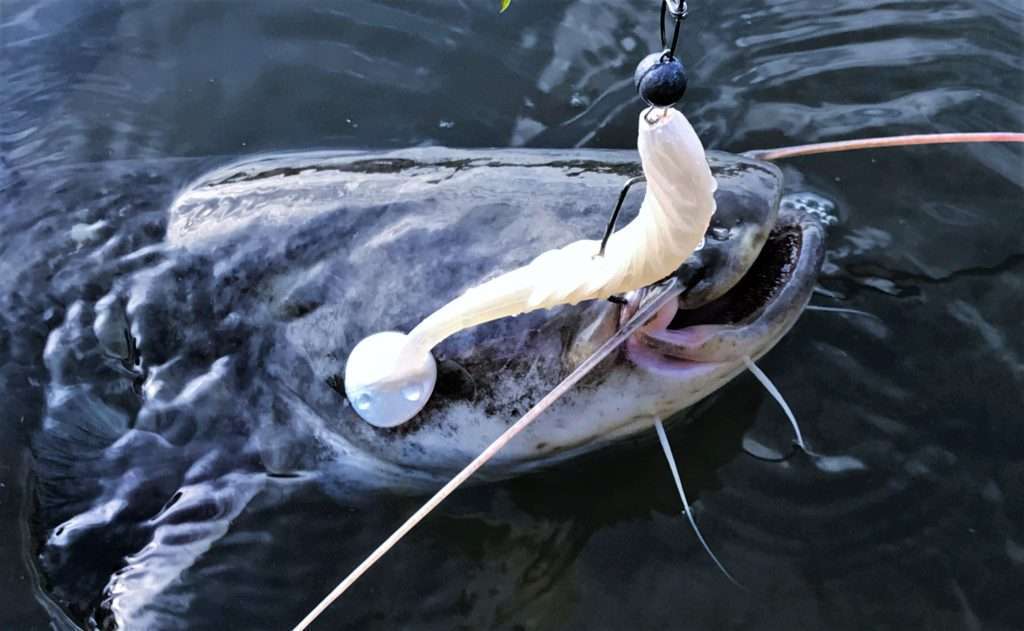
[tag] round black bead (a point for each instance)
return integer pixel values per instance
(660, 80)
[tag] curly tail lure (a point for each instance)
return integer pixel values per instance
(389, 375)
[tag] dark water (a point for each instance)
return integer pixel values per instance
(108, 108)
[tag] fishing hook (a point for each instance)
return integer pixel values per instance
(653, 113)
(610, 228)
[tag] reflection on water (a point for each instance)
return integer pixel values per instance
(109, 108)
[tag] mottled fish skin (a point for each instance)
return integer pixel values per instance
(193, 375)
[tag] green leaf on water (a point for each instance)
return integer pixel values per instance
(504, 5)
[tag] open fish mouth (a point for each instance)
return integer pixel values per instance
(746, 320)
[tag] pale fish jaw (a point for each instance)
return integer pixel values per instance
(745, 321)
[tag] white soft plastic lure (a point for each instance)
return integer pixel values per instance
(389, 376)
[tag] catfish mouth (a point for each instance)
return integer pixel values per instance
(749, 317)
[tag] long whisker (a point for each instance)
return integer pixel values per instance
(667, 448)
(772, 390)
(842, 310)
(781, 153)
(818, 289)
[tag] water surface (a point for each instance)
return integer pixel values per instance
(108, 108)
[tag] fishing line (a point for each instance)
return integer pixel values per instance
(661, 297)
(781, 153)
